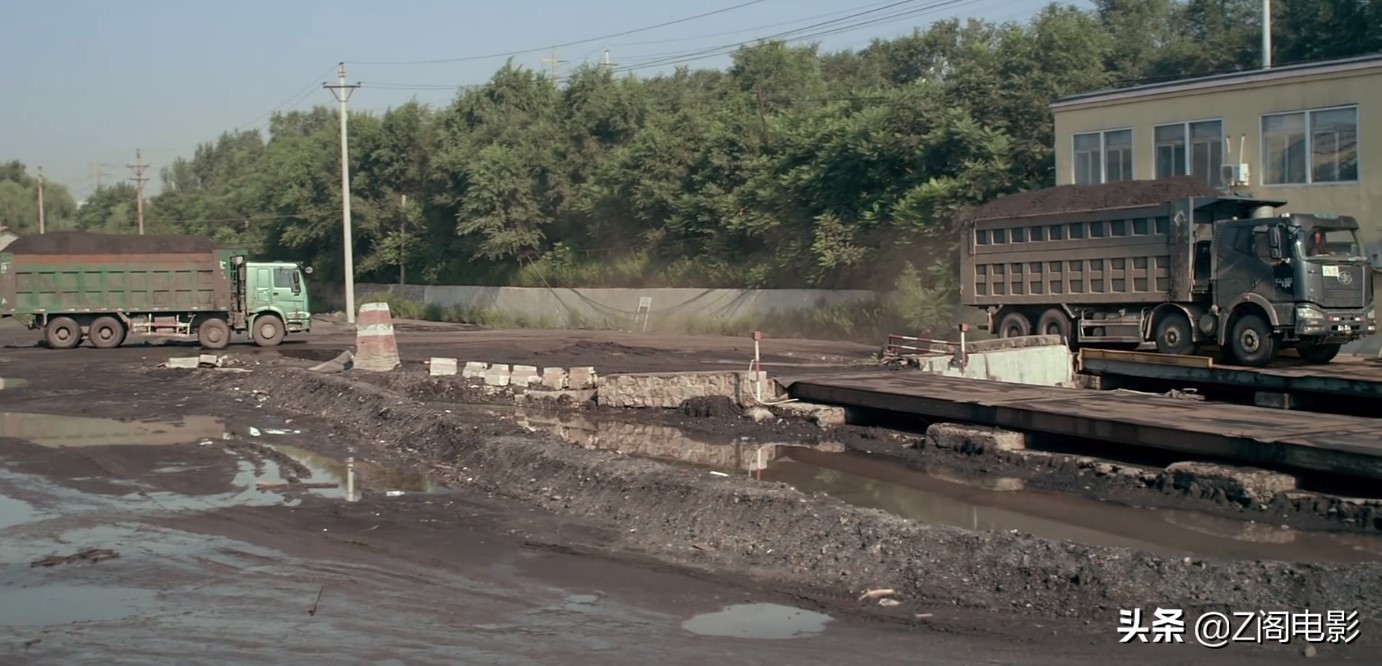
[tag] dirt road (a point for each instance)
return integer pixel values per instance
(474, 558)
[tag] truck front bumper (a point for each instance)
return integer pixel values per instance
(1333, 326)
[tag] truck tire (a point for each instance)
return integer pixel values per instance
(1319, 354)
(1251, 341)
(106, 333)
(213, 333)
(1175, 334)
(1056, 322)
(62, 333)
(1014, 325)
(268, 330)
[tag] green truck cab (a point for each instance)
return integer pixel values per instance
(77, 286)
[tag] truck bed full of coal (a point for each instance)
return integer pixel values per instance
(84, 242)
(1071, 198)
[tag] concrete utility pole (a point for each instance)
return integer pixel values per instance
(40, 201)
(341, 91)
(98, 172)
(402, 236)
(609, 66)
(139, 179)
(1266, 34)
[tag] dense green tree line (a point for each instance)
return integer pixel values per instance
(792, 168)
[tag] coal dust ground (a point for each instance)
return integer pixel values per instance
(160, 517)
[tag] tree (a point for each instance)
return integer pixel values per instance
(19, 201)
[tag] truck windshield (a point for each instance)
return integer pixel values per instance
(1323, 242)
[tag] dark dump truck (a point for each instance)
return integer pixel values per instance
(1170, 262)
(102, 287)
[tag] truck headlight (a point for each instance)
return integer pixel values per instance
(1309, 313)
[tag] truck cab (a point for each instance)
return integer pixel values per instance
(1294, 281)
(279, 290)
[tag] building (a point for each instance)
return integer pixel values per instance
(7, 236)
(1290, 133)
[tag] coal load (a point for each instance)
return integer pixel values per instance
(85, 242)
(1072, 198)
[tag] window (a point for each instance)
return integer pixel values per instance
(1103, 157)
(283, 278)
(1202, 158)
(1318, 146)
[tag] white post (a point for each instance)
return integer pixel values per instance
(342, 93)
(757, 368)
(1266, 34)
(350, 479)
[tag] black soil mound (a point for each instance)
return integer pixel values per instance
(86, 242)
(1069, 198)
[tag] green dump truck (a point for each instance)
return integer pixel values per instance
(102, 287)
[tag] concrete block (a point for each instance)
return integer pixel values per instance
(825, 416)
(209, 360)
(343, 361)
(581, 378)
(554, 379)
(1240, 484)
(375, 346)
(524, 375)
(974, 439)
(1274, 400)
(184, 362)
(497, 375)
(441, 367)
(662, 390)
(474, 370)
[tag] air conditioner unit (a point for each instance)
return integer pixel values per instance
(1234, 175)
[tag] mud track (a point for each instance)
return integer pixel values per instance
(817, 546)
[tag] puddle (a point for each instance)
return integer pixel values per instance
(1001, 506)
(368, 476)
(16, 512)
(60, 431)
(659, 442)
(761, 621)
(64, 604)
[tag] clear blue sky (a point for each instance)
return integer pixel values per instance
(92, 80)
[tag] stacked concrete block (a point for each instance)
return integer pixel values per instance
(581, 378)
(665, 390)
(441, 367)
(375, 345)
(554, 379)
(525, 375)
(474, 370)
(498, 374)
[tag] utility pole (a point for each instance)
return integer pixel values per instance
(402, 235)
(609, 66)
(98, 172)
(40, 201)
(341, 91)
(552, 60)
(1266, 34)
(139, 179)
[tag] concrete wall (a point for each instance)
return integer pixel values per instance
(620, 307)
(669, 390)
(1040, 360)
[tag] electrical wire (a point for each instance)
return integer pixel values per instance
(753, 29)
(556, 46)
(827, 29)
(291, 102)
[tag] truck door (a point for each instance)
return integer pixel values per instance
(289, 294)
(260, 288)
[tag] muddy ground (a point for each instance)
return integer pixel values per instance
(543, 550)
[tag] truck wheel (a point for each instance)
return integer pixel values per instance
(62, 333)
(1319, 354)
(1014, 325)
(1055, 322)
(268, 330)
(1174, 334)
(1251, 341)
(213, 333)
(106, 333)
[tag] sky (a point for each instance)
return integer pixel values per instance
(91, 81)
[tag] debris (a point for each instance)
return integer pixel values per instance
(254, 432)
(889, 602)
(877, 594)
(88, 554)
(718, 474)
(317, 602)
(295, 485)
(759, 414)
(925, 616)
(394, 493)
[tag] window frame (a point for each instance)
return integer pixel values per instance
(1102, 170)
(1309, 147)
(1187, 128)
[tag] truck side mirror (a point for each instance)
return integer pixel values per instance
(1274, 242)
(297, 283)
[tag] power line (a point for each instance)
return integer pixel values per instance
(824, 29)
(556, 46)
(753, 29)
